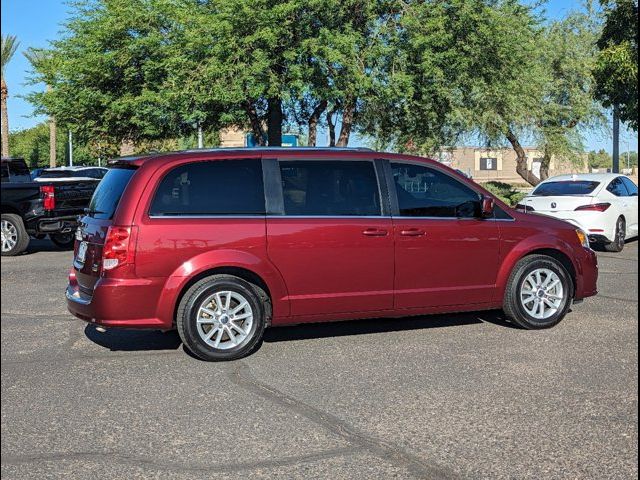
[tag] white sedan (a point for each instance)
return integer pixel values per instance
(604, 205)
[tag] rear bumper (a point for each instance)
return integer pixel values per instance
(57, 225)
(122, 303)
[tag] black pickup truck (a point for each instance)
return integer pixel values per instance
(37, 209)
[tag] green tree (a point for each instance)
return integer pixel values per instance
(616, 71)
(600, 159)
(111, 68)
(9, 46)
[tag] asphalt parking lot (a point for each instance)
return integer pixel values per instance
(448, 396)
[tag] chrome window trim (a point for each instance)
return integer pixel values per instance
(191, 217)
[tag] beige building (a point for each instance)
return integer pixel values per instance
(232, 137)
(500, 164)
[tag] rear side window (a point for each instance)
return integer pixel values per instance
(108, 193)
(220, 187)
(569, 187)
(426, 192)
(324, 188)
(632, 188)
(617, 187)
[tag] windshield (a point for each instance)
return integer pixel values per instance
(106, 197)
(569, 187)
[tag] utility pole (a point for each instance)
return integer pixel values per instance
(200, 137)
(616, 140)
(70, 149)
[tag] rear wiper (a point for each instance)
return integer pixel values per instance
(90, 212)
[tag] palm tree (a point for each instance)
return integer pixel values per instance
(9, 46)
(38, 59)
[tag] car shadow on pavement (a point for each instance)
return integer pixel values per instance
(384, 325)
(119, 339)
(116, 339)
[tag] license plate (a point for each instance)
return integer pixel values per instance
(82, 252)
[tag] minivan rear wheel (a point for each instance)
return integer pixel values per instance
(221, 317)
(539, 292)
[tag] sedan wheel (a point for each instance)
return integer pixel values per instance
(618, 242)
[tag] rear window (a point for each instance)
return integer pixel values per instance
(87, 173)
(570, 187)
(219, 187)
(106, 197)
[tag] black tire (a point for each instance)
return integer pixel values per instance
(22, 237)
(65, 241)
(512, 304)
(618, 242)
(186, 317)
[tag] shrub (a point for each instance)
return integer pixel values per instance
(505, 192)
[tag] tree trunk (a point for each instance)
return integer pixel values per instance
(521, 160)
(127, 147)
(4, 93)
(52, 138)
(347, 122)
(53, 132)
(544, 167)
(313, 122)
(274, 122)
(332, 126)
(254, 120)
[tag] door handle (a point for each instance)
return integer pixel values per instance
(375, 232)
(412, 232)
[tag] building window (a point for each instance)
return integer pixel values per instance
(488, 163)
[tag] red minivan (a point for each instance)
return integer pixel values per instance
(221, 244)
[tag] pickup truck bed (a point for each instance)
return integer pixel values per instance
(56, 216)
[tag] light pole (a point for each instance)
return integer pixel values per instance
(70, 149)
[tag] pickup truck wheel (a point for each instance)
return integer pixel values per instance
(539, 292)
(15, 239)
(221, 317)
(64, 241)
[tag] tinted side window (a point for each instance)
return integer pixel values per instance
(426, 192)
(617, 188)
(220, 187)
(330, 188)
(632, 188)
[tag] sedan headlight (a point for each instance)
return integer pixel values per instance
(583, 238)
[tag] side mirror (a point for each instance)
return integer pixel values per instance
(487, 207)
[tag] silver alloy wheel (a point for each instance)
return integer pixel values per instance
(224, 320)
(9, 236)
(542, 293)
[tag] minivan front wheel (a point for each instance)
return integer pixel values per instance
(221, 317)
(539, 292)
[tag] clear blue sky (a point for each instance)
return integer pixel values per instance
(35, 22)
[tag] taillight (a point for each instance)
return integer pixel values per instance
(594, 207)
(118, 247)
(48, 197)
